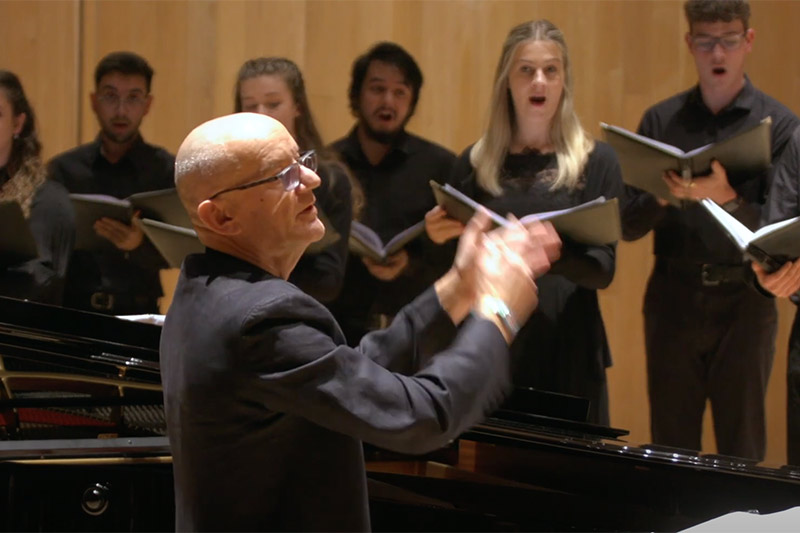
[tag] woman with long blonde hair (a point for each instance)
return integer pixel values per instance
(535, 156)
(44, 204)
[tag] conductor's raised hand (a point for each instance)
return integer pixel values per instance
(510, 258)
(539, 246)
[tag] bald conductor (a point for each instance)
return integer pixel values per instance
(266, 404)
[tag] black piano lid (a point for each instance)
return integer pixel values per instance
(22, 315)
(45, 339)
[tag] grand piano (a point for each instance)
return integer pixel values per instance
(83, 447)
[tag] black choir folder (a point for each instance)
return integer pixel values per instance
(644, 160)
(172, 242)
(161, 205)
(16, 240)
(770, 246)
(366, 243)
(595, 223)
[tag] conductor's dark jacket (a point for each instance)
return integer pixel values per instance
(267, 406)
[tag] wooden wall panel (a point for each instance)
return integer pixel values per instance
(625, 55)
(38, 42)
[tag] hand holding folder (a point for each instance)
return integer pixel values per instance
(644, 160)
(161, 205)
(595, 223)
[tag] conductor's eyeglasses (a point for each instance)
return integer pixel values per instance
(289, 176)
(706, 43)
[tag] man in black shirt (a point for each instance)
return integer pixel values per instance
(123, 277)
(784, 202)
(393, 168)
(709, 336)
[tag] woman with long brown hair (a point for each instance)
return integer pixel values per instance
(274, 86)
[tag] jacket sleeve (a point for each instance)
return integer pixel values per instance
(300, 370)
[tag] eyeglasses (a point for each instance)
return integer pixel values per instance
(132, 101)
(728, 42)
(289, 176)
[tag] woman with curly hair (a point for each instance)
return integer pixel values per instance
(44, 203)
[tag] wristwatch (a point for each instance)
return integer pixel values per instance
(499, 308)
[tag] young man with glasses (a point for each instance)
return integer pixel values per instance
(709, 335)
(266, 405)
(123, 278)
(394, 169)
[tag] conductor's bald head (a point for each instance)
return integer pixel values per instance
(214, 155)
(230, 174)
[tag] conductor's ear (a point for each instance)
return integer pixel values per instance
(215, 217)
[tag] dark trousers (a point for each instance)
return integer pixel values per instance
(708, 342)
(793, 396)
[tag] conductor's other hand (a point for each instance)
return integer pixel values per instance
(510, 259)
(123, 236)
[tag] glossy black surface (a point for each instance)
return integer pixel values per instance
(529, 471)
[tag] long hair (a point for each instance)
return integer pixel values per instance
(25, 164)
(306, 133)
(572, 143)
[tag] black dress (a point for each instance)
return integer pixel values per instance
(563, 346)
(52, 226)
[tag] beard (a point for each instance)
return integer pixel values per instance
(120, 138)
(383, 137)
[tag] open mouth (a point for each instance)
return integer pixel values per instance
(385, 116)
(718, 71)
(537, 100)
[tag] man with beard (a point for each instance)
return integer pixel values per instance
(708, 334)
(393, 168)
(123, 277)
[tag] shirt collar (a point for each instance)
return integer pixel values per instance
(135, 155)
(404, 144)
(235, 267)
(744, 100)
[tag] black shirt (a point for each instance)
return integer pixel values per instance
(563, 346)
(131, 279)
(52, 226)
(784, 196)
(397, 195)
(685, 121)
